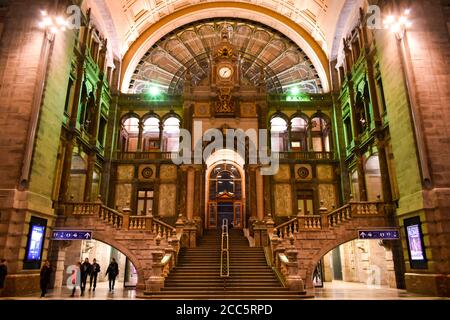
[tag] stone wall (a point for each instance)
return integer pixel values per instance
(21, 58)
(427, 43)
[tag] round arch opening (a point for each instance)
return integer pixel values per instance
(225, 9)
(225, 190)
(358, 264)
(103, 253)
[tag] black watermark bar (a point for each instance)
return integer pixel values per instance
(187, 309)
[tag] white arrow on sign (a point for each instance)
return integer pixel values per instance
(362, 234)
(87, 235)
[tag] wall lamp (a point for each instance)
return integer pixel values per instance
(398, 24)
(53, 24)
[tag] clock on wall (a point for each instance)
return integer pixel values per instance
(225, 72)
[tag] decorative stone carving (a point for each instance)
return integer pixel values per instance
(303, 172)
(147, 172)
(202, 110)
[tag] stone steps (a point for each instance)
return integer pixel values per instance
(197, 275)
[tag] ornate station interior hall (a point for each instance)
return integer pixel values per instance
(258, 149)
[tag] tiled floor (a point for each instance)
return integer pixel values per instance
(332, 291)
(338, 290)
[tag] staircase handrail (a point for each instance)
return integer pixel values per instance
(355, 209)
(121, 220)
(270, 261)
(225, 251)
(104, 213)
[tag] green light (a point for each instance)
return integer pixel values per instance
(300, 97)
(154, 91)
(295, 91)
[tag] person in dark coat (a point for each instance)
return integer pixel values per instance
(46, 272)
(3, 273)
(86, 270)
(112, 272)
(95, 269)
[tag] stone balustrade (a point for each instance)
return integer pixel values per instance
(284, 260)
(105, 214)
(164, 246)
(121, 220)
(328, 220)
(288, 241)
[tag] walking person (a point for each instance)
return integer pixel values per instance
(3, 273)
(86, 270)
(75, 277)
(46, 272)
(112, 272)
(95, 269)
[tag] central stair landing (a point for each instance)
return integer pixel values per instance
(197, 275)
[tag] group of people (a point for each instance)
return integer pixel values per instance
(86, 269)
(82, 270)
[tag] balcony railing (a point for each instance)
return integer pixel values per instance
(152, 155)
(305, 155)
(293, 155)
(120, 220)
(332, 219)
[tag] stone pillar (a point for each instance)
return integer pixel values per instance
(156, 281)
(57, 257)
(293, 280)
(259, 195)
(190, 194)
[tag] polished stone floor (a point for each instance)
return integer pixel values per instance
(331, 291)
(338, 290)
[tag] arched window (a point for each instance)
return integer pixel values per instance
(171, 135)
(320, 131)
(78, 175)
(373, 178)
(151, 135)
(225, 179)
(299, 134)
(279, 134)
(130, 134)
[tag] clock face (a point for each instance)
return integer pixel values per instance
(225, 72)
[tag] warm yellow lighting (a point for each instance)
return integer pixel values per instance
(396, 24)
(53, 25)
(395, 28)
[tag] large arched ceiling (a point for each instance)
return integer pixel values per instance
(260, 48)
(126, 21)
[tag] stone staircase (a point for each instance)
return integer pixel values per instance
(197, 274)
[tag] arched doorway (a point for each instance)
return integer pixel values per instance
(225, 191)
(225, 196)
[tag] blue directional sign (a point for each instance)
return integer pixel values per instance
(388, 234)
(71, 235)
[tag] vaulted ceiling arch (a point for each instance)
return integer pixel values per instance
(224, 9)
(264, 53)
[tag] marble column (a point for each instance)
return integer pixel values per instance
(190, 194)
(259, 195)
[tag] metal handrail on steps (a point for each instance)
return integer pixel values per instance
(225, 252)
